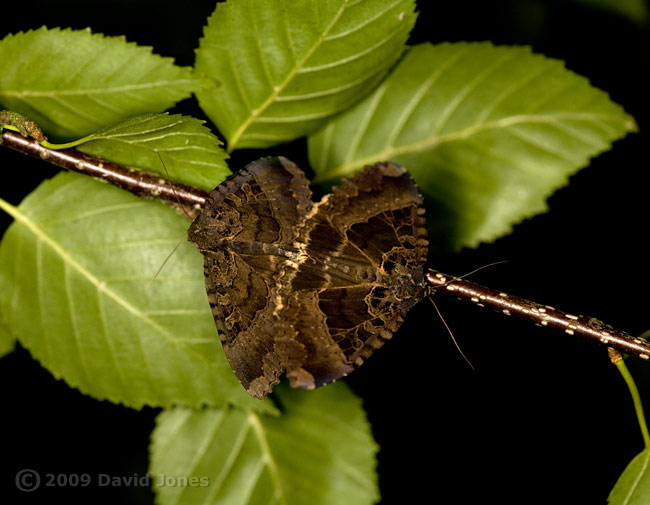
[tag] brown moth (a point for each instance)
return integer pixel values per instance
(310, 289)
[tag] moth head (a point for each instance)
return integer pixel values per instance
(409, 286)
(215, 223)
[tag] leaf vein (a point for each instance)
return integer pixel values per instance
(436, 139)
(259, 48)
(202, 450)
(73, 321)
(22, 93)
(94, 212)
(100, 286)
(455, 102)
(366, 22)
(278, 89)
(507, 93)
(348, 59)
(229, 462)
(337, 89)
(353, 148)
(267, 454)
(418, 96)
(110, 343)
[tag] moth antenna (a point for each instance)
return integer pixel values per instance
(453, 339)
(178, 200)
(178, 244)
(446, 280)
(451, 334)
(162, 265)
(481, 268)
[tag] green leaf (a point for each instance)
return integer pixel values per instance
(488, 133)
(79, 261)
(72, 83)
(7, 342)
(633, 486)
(288, 66)
(318, 452)
(190, 152)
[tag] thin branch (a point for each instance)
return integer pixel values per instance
(149, 185)
(141, 183)
(542, 315)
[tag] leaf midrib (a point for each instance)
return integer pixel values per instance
(255, 422)
(277, 90)
(635, 485)
(435, 139)
(94, 91)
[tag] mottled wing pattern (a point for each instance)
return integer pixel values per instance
(365, 247)
(246, 234)
(309, 289)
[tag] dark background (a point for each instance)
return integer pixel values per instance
(544, 419)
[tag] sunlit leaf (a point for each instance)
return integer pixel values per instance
(178, 147)
(286, 66)
(74, 82)
(633, 486)
(79, 261)
(318, 452)
(488, 133)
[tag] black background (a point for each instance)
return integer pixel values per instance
(544, 419)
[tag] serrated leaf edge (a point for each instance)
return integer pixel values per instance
(104, 37)
(101, 287)
(299, 68)
(255, 113)
(479, 126)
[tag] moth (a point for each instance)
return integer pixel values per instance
(310, 289)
